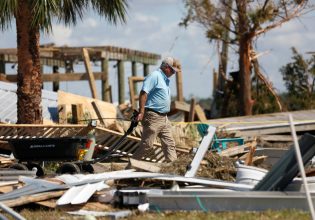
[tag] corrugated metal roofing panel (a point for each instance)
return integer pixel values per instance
(8, 100)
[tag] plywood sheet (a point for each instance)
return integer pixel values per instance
(108, 110)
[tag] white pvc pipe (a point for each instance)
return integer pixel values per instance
(301, 167)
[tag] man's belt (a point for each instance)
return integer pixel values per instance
(159, 113)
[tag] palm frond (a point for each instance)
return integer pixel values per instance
(113, 10)
(71, 10)
(43, 11)
(7, 11)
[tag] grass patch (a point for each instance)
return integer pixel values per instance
(191, 215)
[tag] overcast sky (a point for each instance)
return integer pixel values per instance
(152, 26)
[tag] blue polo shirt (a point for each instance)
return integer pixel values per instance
(156, 85)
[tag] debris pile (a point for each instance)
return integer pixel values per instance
(213, 166)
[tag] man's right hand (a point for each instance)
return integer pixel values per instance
(140, 116)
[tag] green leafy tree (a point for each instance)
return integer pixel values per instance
(33, 16)
(248, 20)
(299, 78)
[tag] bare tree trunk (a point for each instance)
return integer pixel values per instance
(245, 38)
(220, 94)
(29, 81)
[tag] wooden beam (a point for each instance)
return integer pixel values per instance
(132, 93)
(182, 106)
(179, 86)
(200, 113)
(134, 73)
(121, 81)
(98, 113)
(143, 165)
(110, 94)
(33, 198)
(88, 68)
(137, 78)
(62, 114)
(97, 52)
(77, 113)
(133, 97)
(191, 116)
(2, 65)
(277, 138)
(105, 81)
(60, 77)
(230, 152)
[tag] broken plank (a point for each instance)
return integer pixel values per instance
(200, 113)
(99, 114)
(191, 115)
(143, 165)
(33, 198)
(182, 106)
(8, 188)
(230, 152)
(93, 206)
(51, 203)
(284, 138)
(249, 158)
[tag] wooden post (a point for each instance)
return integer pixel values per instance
(179, 81)
(109, 90)
(55, 84)
(146, 69)
(132, 83)
(192, 110)
(105, 82)
(134, 73)
(121, 81)
(2, 64)
(132, 93)
(77, 113)
(179, 86)
(88, 68)
(62, 114)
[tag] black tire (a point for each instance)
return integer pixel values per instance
(18, 166)
(87, 168)
(40, 172)
(68, 168)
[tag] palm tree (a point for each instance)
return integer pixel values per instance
(33, 16)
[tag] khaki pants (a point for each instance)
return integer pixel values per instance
(155, 125)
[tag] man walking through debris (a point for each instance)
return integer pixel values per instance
(154, 104)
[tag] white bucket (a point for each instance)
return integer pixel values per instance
(249, 174)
